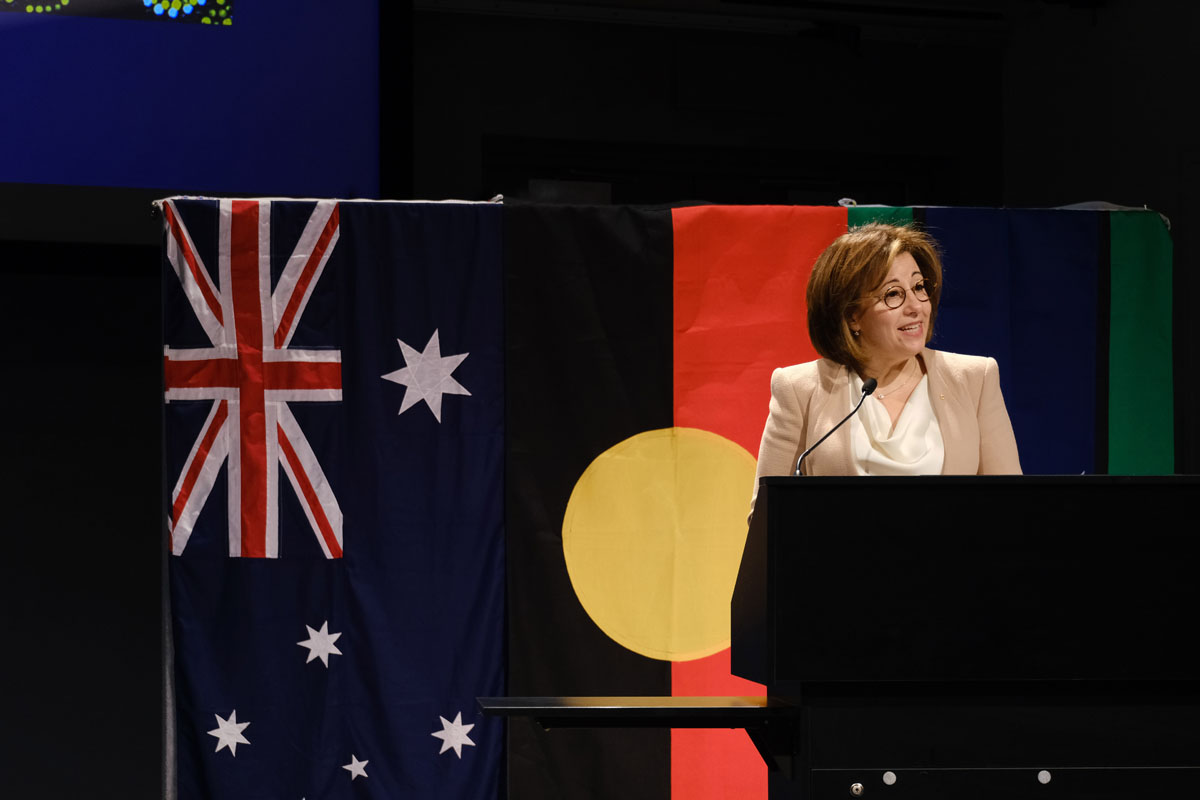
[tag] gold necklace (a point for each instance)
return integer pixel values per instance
(896, 384)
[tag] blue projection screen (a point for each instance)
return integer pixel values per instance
(205, 12)
(284, 100)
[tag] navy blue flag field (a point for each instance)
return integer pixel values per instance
(334, 451)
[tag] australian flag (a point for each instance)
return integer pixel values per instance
(334, 457)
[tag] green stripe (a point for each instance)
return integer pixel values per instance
(1141, 416)
(893, 215)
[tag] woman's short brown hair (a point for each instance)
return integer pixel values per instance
(849, 270)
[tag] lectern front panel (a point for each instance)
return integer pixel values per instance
(978, 579)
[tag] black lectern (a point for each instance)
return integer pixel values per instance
(976, 637)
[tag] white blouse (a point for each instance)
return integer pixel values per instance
(915, 446)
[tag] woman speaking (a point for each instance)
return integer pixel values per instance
(872, 300)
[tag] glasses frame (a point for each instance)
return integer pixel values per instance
(930, 287)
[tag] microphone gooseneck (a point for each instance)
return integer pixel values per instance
(869, 386)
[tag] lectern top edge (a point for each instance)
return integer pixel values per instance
(1001, 480)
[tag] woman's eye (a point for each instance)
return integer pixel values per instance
(893, 295)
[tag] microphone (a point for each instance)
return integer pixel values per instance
(868, 387)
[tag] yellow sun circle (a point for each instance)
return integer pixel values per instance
(653, 537)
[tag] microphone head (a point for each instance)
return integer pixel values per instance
(869, 386)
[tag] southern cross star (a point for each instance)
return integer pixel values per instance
(427, 376)
(229, 733)
(453, 734)
(356, 767)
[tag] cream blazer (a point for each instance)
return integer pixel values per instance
(807, 400)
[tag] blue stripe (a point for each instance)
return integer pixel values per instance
(1021, 286)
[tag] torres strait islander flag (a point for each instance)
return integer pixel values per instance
(639, 348)
(333, 447)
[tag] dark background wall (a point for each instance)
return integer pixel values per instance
(976, 102)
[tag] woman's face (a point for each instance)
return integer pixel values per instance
(892, 335)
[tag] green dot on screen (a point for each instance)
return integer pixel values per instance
(205, 21)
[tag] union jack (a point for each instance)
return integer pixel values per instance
(251, 374)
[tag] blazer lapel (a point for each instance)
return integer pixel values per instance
(947, 407)
(833, 456)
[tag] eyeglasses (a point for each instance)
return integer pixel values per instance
(895, 296)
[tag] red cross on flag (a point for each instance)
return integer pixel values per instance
(251, 374)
